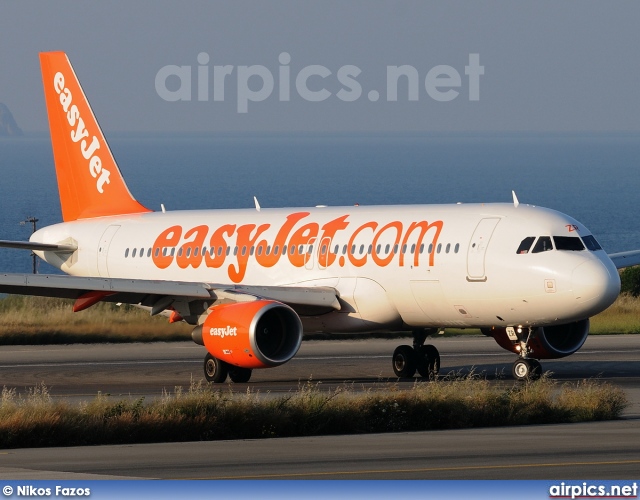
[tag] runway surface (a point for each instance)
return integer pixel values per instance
(609, 450)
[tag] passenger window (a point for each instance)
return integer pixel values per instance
(448, 248)
(542, 245)
(149, 252)
(126, 253)
(525, 245)
(133, 254)
(568, 243)
(457, 247)
(591, 243)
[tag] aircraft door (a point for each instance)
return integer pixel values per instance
(478, 249)
(103, 250)
(323, 252)
(309, 253)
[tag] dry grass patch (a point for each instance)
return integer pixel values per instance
(45, 320)
(203, 412)
(622, 317)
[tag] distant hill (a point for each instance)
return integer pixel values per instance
(8, 125)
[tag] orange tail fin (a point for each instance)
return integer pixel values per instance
(89, 180)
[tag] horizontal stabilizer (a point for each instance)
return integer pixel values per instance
(45, 247)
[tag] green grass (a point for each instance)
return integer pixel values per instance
(204, 413)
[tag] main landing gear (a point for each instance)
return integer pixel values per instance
(216, 371)
(423, 358)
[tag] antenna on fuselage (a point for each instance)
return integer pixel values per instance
(515, 199)
(257, 204)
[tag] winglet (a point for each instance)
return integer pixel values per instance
(89, 181)
(515, 199)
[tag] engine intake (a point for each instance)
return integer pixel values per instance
(549, 342)
(258, 334)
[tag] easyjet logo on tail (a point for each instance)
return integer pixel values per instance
(80, 135)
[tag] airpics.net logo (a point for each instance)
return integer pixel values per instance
(257, 83)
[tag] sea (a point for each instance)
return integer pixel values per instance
(595, 178)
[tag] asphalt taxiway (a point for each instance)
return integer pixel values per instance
(606, 450)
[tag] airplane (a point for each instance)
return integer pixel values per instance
(253, 281)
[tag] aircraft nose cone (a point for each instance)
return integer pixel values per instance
(596, 283)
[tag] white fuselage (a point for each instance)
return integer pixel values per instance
(394, 266)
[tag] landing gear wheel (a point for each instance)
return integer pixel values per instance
(215, 370)
(428, 361)
(404, 361)
(239, 375)
(526, 369)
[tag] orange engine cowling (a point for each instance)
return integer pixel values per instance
(549, 342)
(258, 334)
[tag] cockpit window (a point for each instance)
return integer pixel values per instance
(525, 245)
(568, 243)
(591, 243)
(542, 245)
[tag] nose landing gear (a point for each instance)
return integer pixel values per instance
(423, 358)
(524, 368)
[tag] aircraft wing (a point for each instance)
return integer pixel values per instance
(160, 295)
(625, 259)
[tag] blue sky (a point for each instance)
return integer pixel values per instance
(548, 66)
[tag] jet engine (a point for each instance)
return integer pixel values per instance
(258, 334)
(548, 342)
